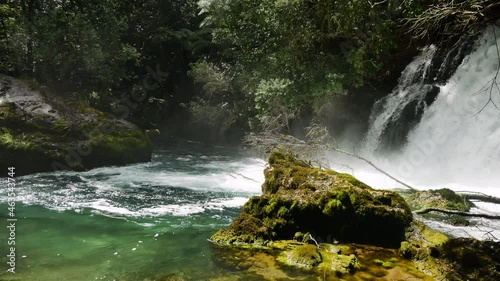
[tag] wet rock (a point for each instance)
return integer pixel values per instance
(328, 205)
(445, 199)
(472, 259)
(304, 256)
(38, 136)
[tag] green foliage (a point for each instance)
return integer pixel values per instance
(293, 55)
(74, 45)
(220, 103)
(273, 103)
(108, 47)
(215, 81)
(12, 37)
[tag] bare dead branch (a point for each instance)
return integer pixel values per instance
(492, 84)
(243, 176)
(450, 18)
(470, 195)
(463, 214)
(377, 168)
(314, 240)
(319, 141)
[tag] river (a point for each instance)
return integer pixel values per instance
(135, 222)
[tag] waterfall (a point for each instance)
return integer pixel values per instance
(411, 87)
(454, 135)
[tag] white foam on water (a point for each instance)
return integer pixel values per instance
(140, 191)
(220, 204)
(107, 207)
(173, 209)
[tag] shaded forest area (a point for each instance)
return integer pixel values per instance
(227, 66)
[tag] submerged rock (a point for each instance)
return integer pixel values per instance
(303, 256)
(445, 258)
(330, 206)
(290, 260)
(40, 133)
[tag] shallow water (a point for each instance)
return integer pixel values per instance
(130, 223)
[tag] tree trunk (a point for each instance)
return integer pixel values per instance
(28, 9)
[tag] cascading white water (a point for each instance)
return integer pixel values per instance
(457, 141)
(410, 88)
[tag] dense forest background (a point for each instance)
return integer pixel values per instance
(227, 66)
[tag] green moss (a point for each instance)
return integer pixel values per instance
(282, 212)
(299, 237)
(333, 207)
(387, 264)
(441, 198)
(285, 159)
(303, 256)
(120, 141)
(345, 264)
(255, 206)
(352, 180)
(273, 180)
(394, 260)
(301, 198)
(14, 142)
(61, 126)
(472, 259)
(245, 229)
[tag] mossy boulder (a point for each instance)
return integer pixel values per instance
(41, 132)
(472, 259)
(422, 243)
(330, 206)
(445, 199)
(446, 258)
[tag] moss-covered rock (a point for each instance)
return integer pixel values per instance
(313, 206)
(472, 259)
(39, 134)
(445, 199)
(330, 206)
(303, 256)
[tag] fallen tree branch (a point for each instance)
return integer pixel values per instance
(245, 177)
(479, 196)
(463, 214)
(376, 167)
(320, 141)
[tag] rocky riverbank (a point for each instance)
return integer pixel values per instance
(43, 132)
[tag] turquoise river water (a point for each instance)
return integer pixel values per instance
(136, 222)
